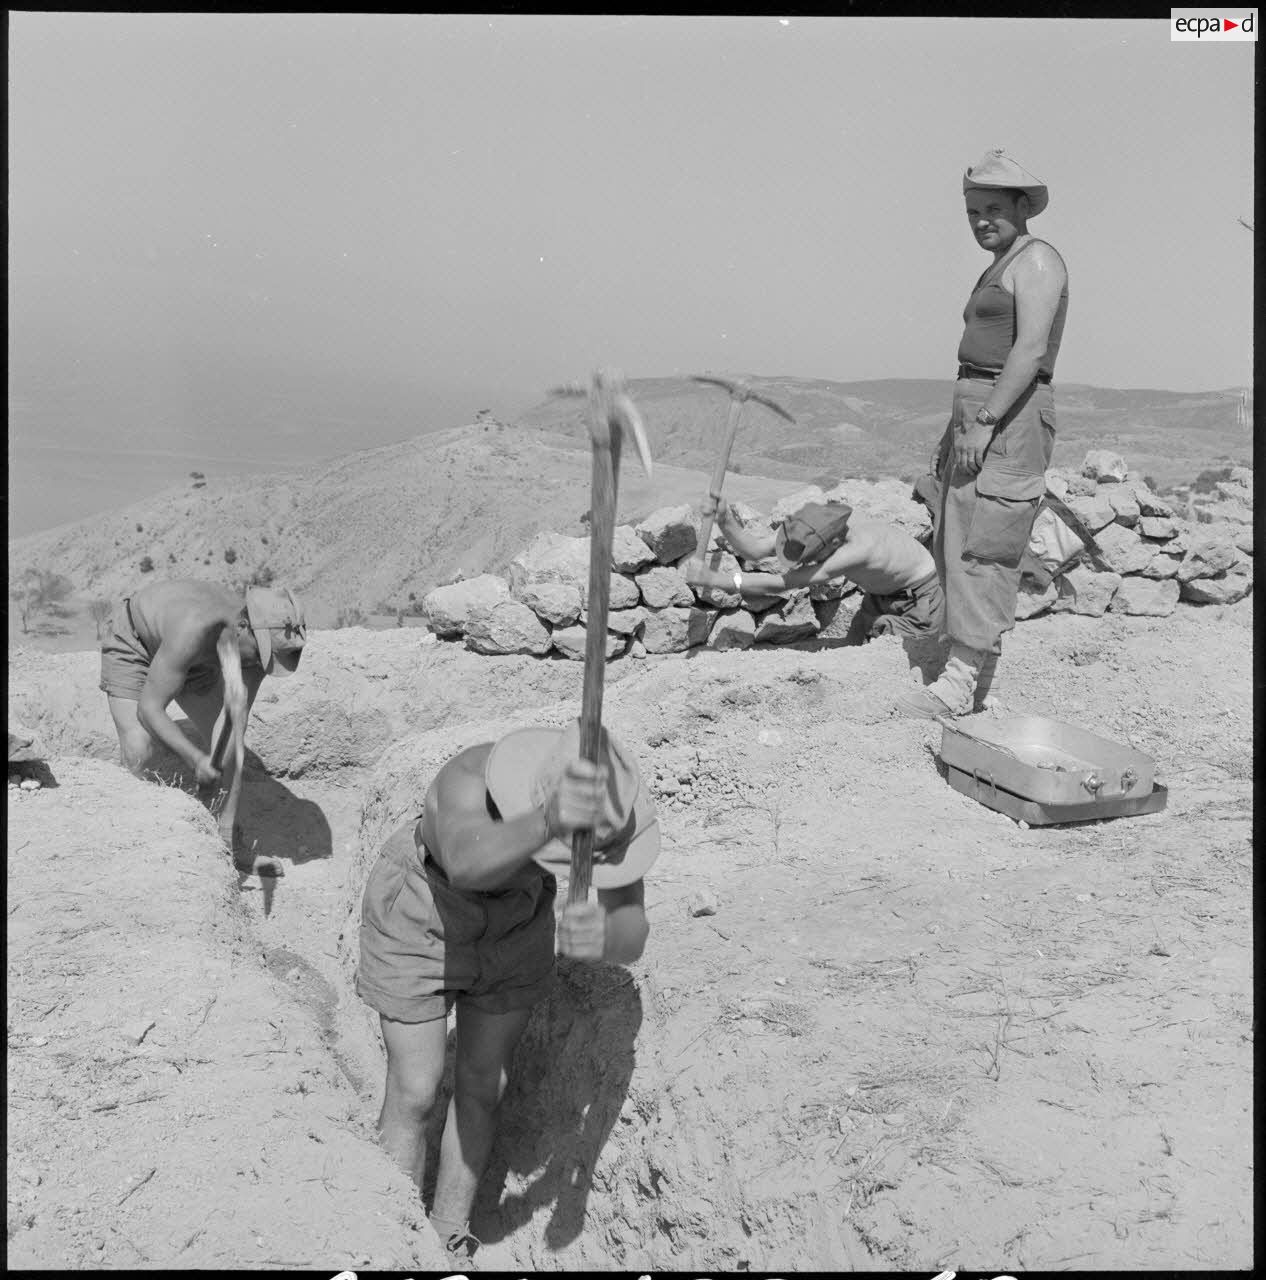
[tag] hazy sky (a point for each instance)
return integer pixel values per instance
(248, 237)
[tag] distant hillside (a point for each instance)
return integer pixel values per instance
(888, 427)
(371, 529)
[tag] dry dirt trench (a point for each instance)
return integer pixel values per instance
(911, 1034)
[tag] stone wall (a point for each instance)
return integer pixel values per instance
(1151, 559)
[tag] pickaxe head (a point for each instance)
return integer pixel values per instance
(611, 406)
(741, 390)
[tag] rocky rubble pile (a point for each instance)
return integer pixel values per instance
(1148, 559)
(541, 607)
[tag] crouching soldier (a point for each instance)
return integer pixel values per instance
(188, 642)
(458, 911)
(824, 542)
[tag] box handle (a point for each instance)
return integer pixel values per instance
(1093, 783)
(993, 786)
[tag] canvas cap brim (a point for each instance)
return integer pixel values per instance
(509, 775)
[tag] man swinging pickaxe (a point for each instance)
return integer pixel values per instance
(740, 392)
(610, 411)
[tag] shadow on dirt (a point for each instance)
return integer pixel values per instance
(568, 1084)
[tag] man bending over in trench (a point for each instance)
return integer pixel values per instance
(162, 644)
(823, 542)
(458, 911)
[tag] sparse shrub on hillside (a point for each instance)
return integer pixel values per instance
(263, 537)
(262, 576)
(1208, 479)
(146, 565)
(139, 529)
(99, 611)
(171, 557)
(38, 591)
(196, 475)
(229, 555)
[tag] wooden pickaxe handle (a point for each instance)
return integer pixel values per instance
(740, 392)
(611, 411)
(232, 727)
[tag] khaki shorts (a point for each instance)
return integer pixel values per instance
(125, 661)
(917, 611)
(424, 944)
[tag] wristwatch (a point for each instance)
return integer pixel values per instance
(985, 418)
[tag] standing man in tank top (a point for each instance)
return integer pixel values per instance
(993, 456)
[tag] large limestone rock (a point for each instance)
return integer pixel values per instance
(1207, 558)
(1239, 512)
(1103, 465)
(628, 552)
(554, 557)
(570, 642)
(715, 597)
(557, 603)
(792, 503)
(662, 586)
(1057, 484)
(1150, 504)
(626, 622)
(1161, 528)
(1032, 600)
(1225, 589)
(733, 629)
(1085, 590)
(670, 532)
(674, 630)
(886, 500)
(794, 619)
(1122, 499)
(1147, 597)
(1244, 541)
(551, 557)
(1235, 492)
(1093, 510)
(448, 608)
(1081, 487)
(508, 626)
(1242, 475)
(1162, 565)
(1122, 550)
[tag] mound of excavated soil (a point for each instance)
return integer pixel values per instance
(877, 1025)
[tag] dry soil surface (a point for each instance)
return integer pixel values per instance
(877, 1025)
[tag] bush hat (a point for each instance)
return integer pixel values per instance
(812, 533)
(997, 169)
(277, 622)
(525, 765)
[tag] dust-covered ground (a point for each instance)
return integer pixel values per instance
(877, 1025)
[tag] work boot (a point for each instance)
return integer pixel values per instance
(950, 694)
(458, 1242)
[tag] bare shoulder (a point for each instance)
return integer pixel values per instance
(188, 606)
(1038, 265)
(459, 784)
(866, 531)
